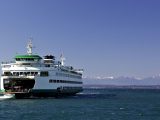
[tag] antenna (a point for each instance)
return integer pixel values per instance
(62, 59)
(29, 47)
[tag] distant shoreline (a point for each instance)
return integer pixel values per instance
(122, 86)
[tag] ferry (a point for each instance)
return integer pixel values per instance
(31, 75)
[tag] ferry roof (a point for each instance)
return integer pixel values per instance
(28, 56)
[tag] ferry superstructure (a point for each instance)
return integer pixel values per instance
(31, 75)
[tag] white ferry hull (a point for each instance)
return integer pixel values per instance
(43, 87)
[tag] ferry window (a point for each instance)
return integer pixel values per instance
(44, 73)
(7, 73)
(47, 65)
(28, 73)
(17, 59)
(50, 81)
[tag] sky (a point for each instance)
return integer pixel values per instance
(104, 37)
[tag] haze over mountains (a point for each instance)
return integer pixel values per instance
(120, 81)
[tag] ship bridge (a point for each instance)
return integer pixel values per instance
(22, 59)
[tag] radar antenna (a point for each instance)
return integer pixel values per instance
(29, 47)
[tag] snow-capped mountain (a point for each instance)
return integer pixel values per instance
(155, 80)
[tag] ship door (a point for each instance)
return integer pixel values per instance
(18, 85)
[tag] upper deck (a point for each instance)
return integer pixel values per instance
(35, 62)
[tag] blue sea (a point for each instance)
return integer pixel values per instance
(91, 104)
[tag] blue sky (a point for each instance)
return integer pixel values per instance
(104, 37)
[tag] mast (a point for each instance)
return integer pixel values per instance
(62, 59)
(29, 47)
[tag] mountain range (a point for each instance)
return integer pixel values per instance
(122, 81)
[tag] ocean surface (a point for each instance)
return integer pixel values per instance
(91, 104)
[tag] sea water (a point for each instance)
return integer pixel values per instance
(91, 104)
